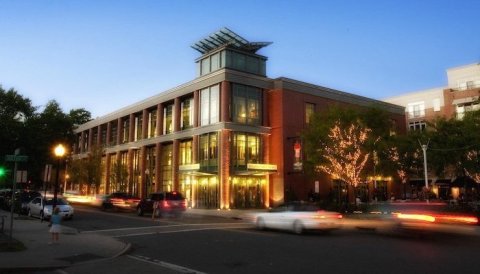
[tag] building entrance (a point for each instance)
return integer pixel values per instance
(207, 192)
(248, 192)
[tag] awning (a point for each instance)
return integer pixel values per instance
(194, 169)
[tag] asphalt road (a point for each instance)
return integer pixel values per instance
(219, 245)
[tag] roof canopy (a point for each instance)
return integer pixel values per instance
(225, 37)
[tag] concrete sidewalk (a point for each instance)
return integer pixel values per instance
(73, 247)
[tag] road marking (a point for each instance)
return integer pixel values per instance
(176, 231)
(175, 267)
(158, 226)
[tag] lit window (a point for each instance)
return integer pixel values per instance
(168, 119)
(186, 119)
(246, 104)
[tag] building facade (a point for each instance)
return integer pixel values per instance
(230, 138)
(451, 101)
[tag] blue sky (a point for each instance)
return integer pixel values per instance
(104, 55)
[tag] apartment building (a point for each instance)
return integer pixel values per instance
(461, 94)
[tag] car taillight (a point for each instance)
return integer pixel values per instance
(458, 219)
(166, 204)
(339, 216)
(419, 217)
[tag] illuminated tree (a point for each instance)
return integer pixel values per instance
(344, 153)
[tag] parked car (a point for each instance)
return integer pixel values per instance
(120, 200)
(168, 204)
(42, 207)
(22, 198)
(298, 217)
(5, 197)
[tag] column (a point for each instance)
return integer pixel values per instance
(196, 108)
(119, 131)
(176, 114)
(224, 169)
(145, 124)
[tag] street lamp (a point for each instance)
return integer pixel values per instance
(59, 152)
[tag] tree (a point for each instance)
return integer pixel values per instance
(345, 153)
(119, 177)
(37, 132)
(94, 168)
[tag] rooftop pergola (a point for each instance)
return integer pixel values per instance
(226, 37)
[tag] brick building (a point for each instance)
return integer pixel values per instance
(230, 138)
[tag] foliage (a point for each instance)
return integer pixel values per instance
(345, 153)
(119, 177)
(37, 132)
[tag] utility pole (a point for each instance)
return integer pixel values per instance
(424, 148)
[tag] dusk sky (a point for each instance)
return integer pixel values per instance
(104, 55)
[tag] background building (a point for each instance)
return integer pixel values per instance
(459, 96)
(230, 138)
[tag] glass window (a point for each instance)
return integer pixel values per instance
(309, 111)
(152, 123)
(205, 66)
(436, 104)
(186, 119)
(138, 127)
(247, 104)
(210, 99)
(208, 151)
(416, 110)
(168, 119)
(417, 125)
(460, 110)
(113, 133)
(126, 129)
(246, 148)
(167, 180)
(215, 61)
(186, 152)
(103, 137)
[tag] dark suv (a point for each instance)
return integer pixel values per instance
(168, 203)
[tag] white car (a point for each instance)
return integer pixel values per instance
(42, 208)
(298, 217)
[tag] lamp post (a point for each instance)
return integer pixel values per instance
(59, 152)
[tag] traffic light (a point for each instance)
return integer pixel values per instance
(3, 172)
